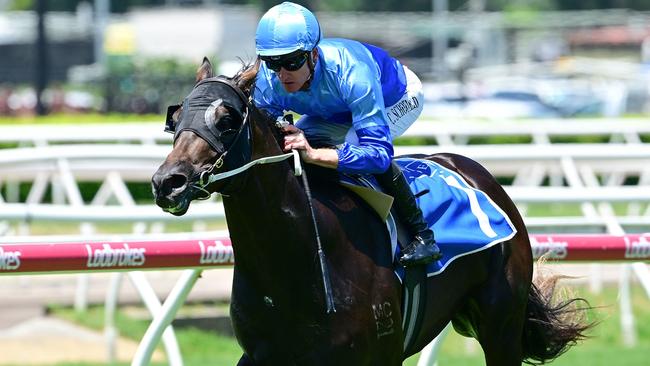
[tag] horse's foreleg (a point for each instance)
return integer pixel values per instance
(502, 308)
(503, 349)
(245, 361)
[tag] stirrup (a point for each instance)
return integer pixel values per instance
(420, 253)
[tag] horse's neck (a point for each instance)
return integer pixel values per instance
(269, 214)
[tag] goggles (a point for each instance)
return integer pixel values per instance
(290, 62)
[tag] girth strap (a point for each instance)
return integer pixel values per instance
(414, 304)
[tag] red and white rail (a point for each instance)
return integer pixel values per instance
(114, 255)
(196, 254)
(52, 257)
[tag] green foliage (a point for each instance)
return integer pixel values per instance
(85, 118)
(525, 6)
(368, 5)
(147, 85)
(21, 5)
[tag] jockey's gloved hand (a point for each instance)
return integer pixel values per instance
(284, 121)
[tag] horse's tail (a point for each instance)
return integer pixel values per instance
(552, 325)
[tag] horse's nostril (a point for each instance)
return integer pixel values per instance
(175, 181)
(165, 186)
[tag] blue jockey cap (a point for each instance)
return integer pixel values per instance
(286, 28)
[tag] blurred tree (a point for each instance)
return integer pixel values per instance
(71, 5)
(264, 5)
(602, 4)
(21, 5)
(381, 5)
(520, 5)
(363, 5)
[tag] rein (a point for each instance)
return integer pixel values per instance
(212, 177)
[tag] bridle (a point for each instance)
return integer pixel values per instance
(207, 176)
(213, 173)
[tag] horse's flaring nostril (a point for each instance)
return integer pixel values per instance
(173, 182)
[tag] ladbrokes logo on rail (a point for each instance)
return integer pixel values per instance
(549, 248)
(637, 249)
(108, 256)
(216, 254)
(9, 261)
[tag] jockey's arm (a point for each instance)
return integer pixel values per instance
(362, 92)
(371, 156)
(295, 139)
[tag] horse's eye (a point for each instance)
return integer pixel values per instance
(225, 123)
(228, 136)
(177, 114)
(173, 115)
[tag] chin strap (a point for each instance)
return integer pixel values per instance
(312, 66)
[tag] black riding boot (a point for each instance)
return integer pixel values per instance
(423, 248)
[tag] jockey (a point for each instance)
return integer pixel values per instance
(351, 95)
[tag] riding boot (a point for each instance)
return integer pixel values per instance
(423, 248)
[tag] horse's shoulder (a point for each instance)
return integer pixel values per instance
(327, 189)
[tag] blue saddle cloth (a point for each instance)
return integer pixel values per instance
(464, 219)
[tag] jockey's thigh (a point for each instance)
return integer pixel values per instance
(401, 115)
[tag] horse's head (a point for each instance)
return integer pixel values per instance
(210, 132)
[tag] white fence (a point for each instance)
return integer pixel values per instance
(445, 132)
(576, 172)
(114, 155)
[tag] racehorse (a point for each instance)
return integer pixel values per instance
(277, 304)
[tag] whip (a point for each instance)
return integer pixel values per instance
(325, 275)
(327, 285)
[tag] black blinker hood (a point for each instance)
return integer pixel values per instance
(207, 95)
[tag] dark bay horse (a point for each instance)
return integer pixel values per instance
(278, 305)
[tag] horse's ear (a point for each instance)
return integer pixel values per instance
(246, 78)
(204, 71)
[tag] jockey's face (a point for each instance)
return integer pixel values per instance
(293, 81)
